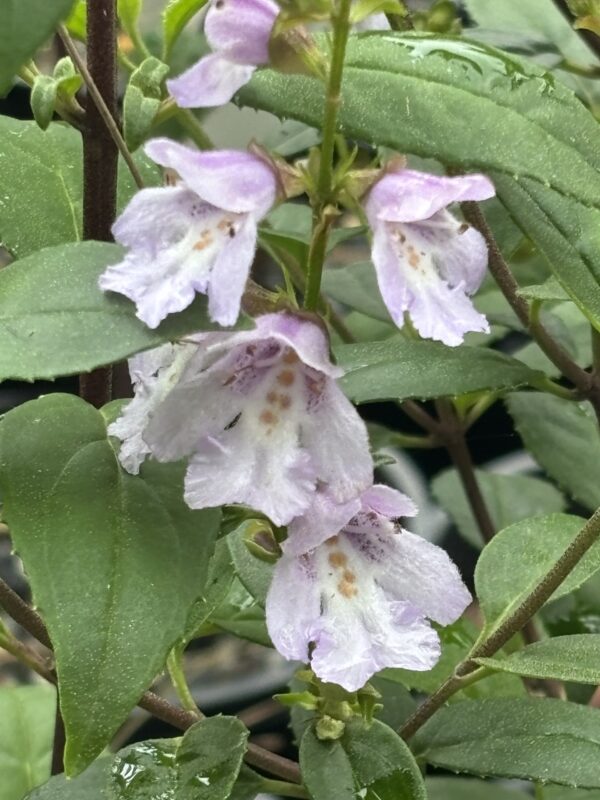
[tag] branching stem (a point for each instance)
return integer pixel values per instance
(515, 622)
(179, 718)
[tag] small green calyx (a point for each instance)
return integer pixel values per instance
(328, 728)
(334, 706)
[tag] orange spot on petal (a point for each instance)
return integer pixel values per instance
(337, 559)
(286, 377)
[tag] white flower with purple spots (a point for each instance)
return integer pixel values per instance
(427, 262)
(238, 33)
(197, 236)
(357, 599)
(263, 421)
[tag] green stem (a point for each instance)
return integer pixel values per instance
(321, 219)
(193, 129)
(316, 259)
(492, 642)
(284, 789)
(178, 679)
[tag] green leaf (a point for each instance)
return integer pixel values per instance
(563, 438)
(144, 771)
(531, 738)
(565, 322)
(356, 286)
(209, 758)
(175, 17)
(372, 763)
(565, 231)
(470, 789)
(216, 588)
(256, 575)
(142, 100)
(54, 319)
(393, 369)
(398, 703)
(202, 765)
(115, 561)
(90, 785)
(240, 614)
(549, 290)
(516, 559)
(565, 658)
(26, 733)
(41, 178)
(24, 26)
(550, 183)
(76, 22)
(509, 498)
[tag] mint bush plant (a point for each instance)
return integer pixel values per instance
(239, 489)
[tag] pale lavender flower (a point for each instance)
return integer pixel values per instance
(197, 236)
(153, 375)
(264, 422)
(427, 262)
(360, 600)
(238, 32)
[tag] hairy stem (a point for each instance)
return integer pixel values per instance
(104, 111)
(179, 718)
(321, 219)
(455, 442)
(582, 380)
(491, 643)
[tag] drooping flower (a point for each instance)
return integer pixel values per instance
(197, 236)
(360, 599)
(263, 421)
(427, 262)
(238, 32)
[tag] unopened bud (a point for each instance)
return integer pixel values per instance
(260, 540)
(329, 729)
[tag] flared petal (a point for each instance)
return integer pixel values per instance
(303, 335)
(323, 519)
(355, 629)
(422, 573)
(338, 443)
(174, 240)
(232, 180)
(376, 587)
(197, 407)
(410, 196)
(354, 646)
(230, 274)
(153, 374)
(240, 29)
(412, 277)
(388, 502)
(274, 476)
(210, 82)
(293, 606)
